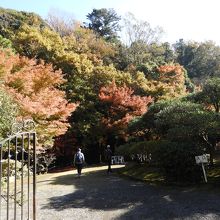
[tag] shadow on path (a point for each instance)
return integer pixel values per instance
(100, 191)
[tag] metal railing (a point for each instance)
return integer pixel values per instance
(18, 173)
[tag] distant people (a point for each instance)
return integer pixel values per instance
(108, 157)
(79, 159)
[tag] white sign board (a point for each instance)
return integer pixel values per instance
(201, 159)
(118, 160)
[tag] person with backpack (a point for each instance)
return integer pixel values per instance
(79, 159)
(108, 157)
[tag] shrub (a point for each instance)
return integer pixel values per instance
(12, 168)
(142, 151)
(177, 161)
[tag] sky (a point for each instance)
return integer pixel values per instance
(196, 20)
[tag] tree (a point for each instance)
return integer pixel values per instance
(189, 122)
(34, 86)
(137, 53)
(12, 20)
(61, 22)
(178, 122)
(85, 41)
(168, 81)
(209, 95)
(140, 31)
(39, 43)
(121, 106)
(105, 22)
(211, 91)
(201, 60)
(143, 46)
(144, 128)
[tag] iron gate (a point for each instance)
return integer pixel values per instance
(18, 173)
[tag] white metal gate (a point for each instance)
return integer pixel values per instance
(18, 173)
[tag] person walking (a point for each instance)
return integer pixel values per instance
(79, 159)
(108, 157)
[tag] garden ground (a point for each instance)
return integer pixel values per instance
(99, 196)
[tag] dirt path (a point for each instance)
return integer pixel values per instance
(99, 196)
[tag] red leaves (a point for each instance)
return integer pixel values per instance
(123, 105)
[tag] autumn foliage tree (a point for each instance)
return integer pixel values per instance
(34, 87)
(169, 81)
(121, 107)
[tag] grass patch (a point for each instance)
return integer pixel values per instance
(152, 175)
(142, 172)
(213, 175)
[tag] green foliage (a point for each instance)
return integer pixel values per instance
(209, 96)
(12, 168)
(40, 43)
(145, 127)
(5, 43)
(211, 93)
(178, 121)
(141, 147)
(201, 60)
(177, 161)
(178, 117)
(145, 57)
(184, 121)
(104, 22)
(11, 20)
(8, 112)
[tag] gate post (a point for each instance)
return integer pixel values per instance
(0, 181)
(34, 176)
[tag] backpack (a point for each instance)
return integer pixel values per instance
(79, 158)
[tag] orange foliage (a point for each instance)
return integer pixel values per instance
(173, 74)
(173, 79)
(34, 87)
(123, 105)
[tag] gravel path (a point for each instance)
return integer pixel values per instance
(99, 196)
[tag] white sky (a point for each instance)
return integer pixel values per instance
(188, 19)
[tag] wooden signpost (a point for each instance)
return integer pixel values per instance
(201, 160)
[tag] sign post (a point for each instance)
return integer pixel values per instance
(202, 159)
(204, 173)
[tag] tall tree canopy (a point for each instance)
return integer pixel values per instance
(201, 60)
(104, 22)
(61, 22)
(209, 95)
(140, 31)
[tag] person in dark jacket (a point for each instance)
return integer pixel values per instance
(79, 159)
(108, 157)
